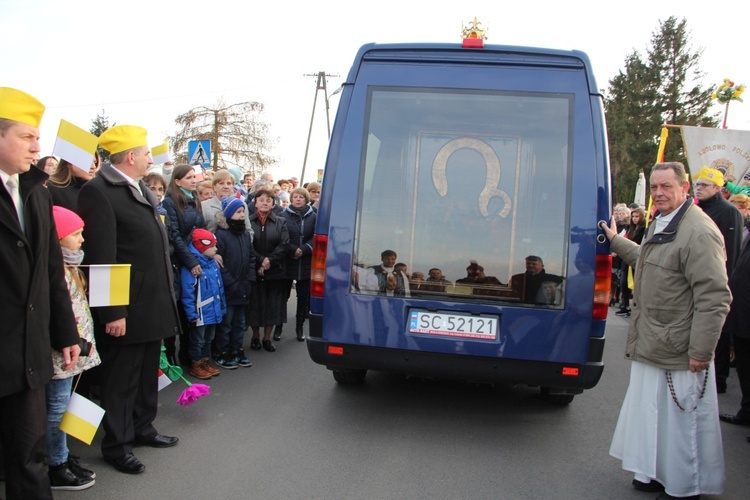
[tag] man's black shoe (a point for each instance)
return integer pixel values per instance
(126, 463)
(651, 487)
(158, 441)
(733, 419)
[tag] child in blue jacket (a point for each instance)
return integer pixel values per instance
(204, 302)
(235, 246)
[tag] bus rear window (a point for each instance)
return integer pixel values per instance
(468, 191)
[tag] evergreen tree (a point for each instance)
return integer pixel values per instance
(664, 88)
(98, 126)
(633, 122)
(682, 98)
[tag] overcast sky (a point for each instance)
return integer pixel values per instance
(145, 62)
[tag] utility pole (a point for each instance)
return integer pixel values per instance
(321, 85)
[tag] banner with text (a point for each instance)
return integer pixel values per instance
(724, 149)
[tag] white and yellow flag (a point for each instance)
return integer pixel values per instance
(75, 145)
(724, 149)
(109, 285)
(81, 418)
(160, 153)
(200, 175)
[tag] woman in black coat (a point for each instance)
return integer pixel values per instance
(634, 232)
(184, 211)
(300, 221)
(47, 164)
(267, 303)
(183, 215)
(65, 182)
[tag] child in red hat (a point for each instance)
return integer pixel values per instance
(204, 302)
(65, 473)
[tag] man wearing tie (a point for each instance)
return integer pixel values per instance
(123, 226)
(36, 314)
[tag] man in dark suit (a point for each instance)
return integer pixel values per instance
(736, 325)
(123, 226)
(36, 313)
(708, 183)
(530, 282)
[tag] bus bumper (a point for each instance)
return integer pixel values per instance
(560, 377)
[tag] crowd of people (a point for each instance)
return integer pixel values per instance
(391, 278)
(207, 259)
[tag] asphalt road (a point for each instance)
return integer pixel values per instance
(284, 429)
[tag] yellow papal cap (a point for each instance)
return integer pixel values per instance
(711, 175)
(123, 137)
(20, 107)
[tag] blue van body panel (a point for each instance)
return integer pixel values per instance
(533, 344)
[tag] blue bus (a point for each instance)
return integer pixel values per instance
(457, 230)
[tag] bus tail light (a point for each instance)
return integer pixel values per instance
(318, 265)
(602, 286)
(570, 371)
(335, 350)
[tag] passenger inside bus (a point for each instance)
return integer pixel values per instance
(483, 279)
(472, 272)
(392, 288)
(547, 293)
(436, 276)
(529, 283)
(383, 272)
(401, 268)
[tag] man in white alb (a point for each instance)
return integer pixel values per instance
(668, 431)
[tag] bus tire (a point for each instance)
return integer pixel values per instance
(558, 399)
(349, 377)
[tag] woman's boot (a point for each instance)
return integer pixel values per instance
(277, 333)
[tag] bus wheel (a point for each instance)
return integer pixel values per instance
(349, 377)
(558, 399)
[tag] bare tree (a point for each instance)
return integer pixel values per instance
(237, 134)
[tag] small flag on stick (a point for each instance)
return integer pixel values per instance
(164, 380)
(81, 419)
(193, 391)
(109, 285)
(160, 153)
(75, 145)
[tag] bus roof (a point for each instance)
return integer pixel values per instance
(489, 54)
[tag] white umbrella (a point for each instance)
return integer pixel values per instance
(640, 190)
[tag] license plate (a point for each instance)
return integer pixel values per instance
(482, 327)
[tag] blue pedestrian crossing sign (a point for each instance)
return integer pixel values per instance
(199, 152)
